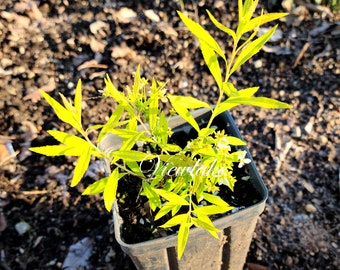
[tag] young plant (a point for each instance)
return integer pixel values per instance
(184, 183)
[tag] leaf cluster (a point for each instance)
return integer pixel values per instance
(183, 183)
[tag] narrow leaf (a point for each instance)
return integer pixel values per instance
(215, 200)
(132, 155)
(189, 102)
(212, 210)
(62, 113)
(258, 101)
(198, 222)
(111, 91)
(67, 138)
(183, 234)
(201, 34)
(78, 101)
(57, 150)
(81, 167)
(253, 48)
(110, 189)
(153, 107)
(258, 21)
(235, 141)
(206, 223)
(165, 209)
(136, 82)
(222, 27)
(211, 61)
(112, 122)
(96, 188)
(248, 92)
(176, 220)
(171, 197)
(153, 197)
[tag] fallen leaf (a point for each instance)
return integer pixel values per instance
(35, 96)
(78, 255)
(91, 64)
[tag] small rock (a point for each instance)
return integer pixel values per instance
(309, 126)
(308, 186)
(258, 63)
(152, 15)
(310, 208)
(289, 261)
(22, 227)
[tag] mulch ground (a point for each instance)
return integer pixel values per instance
(50, 44)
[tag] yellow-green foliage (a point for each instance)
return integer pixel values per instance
(181, 178)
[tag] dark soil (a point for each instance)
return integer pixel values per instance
(51, 44)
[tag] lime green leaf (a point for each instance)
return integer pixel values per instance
(111, 91)
(112, 122)
(200, 222)
(181, 105)
(240, 10)
(183, 112)
(212, 210)
(172, 148)
(215, 200)
(258, 21)
(110, 189)
(176, 220)
(222, 107)
(153, 107)
(78, 101)
(201, 34)
(248, 92)
(62, 113)
(136, 83)
(249, 9)
(235, 141)
(252, 48)
(190, 102)
(211, 61)
(57, 150)
(173, 198)
(131, 141)
(258, 101)
(68, 139)
(222, 27)
(153, 197)
(81, 166)
(183, 234)
(229, 89)
(96, 188)
(131, 155)
(165, 209)
(175, 209)
(135, 168)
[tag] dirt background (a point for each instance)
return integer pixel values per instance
(51, 44)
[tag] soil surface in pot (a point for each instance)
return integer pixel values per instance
(49, 44)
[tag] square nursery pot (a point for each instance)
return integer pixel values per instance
(202, 250)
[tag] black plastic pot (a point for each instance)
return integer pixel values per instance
(202, 250)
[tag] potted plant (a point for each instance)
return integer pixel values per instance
(181, 171)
